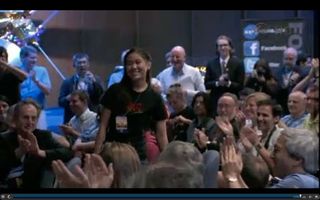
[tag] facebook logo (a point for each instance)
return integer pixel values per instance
(251, 48)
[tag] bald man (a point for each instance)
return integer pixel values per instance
(179, 72)
(297, 107)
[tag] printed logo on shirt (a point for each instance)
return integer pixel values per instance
(135, 107)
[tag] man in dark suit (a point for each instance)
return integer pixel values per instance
(225, 73)
(84, 80)
(287, 76)
(26, 152)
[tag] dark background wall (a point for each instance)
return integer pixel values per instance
(104, 34)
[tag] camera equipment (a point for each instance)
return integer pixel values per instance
(260, 73)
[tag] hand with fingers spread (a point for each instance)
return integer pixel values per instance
(314, 71)
(30, 144)
(231, 161)
(67, 179)
(99, 175)
(24, 146)
(224, 125)
(94, 175)
(240, 118)
(245, 142)
(34, 147)
(251, 135)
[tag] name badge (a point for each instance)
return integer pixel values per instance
(121, 124)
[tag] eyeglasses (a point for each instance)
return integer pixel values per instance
(175, 85)
(223, 45)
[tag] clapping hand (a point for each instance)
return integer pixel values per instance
(66, 178)
(99, 175)
(223, 80)
(24, 144)
(224, 125)
(94, 175)
(250, 134)
(32, 74)
(67, 129)
(90, 77)
(245, 142)
(240, 118)
(29, 144)
(200, 137)
(231, 161)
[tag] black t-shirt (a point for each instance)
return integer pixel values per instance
(142, 110)
(10, 87)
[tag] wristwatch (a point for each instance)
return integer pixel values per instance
(232, 179)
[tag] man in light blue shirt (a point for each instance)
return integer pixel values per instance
(179, 72)
(37, 85)
(297, 106)
(83, 126)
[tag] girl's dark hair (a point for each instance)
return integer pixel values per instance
(145, 55)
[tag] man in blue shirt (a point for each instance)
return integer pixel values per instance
(38, 84)
(297, 108)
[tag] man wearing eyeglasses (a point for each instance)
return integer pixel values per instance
(225, 73)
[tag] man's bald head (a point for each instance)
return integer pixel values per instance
(297, 103)
(178, 57)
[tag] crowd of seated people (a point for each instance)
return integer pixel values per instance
(173, 131)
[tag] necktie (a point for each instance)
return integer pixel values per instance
(224, 67)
